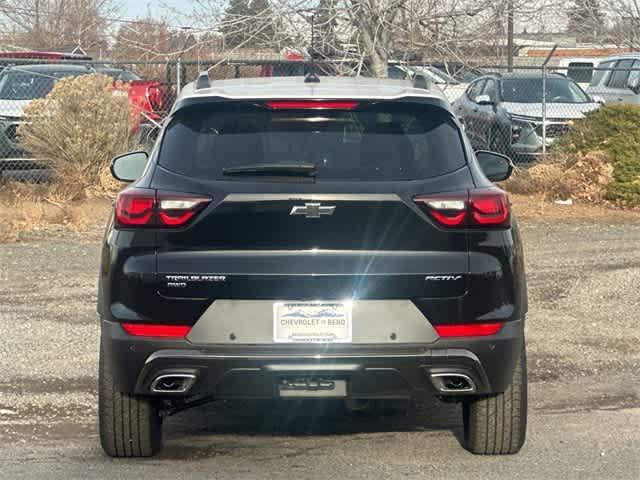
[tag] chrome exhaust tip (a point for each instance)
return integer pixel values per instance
(173, 383)
(453, 383)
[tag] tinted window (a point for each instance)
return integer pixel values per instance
(384, 141)
(634, 74)
(529, 90)
(396, 72)
(24, 85)
(475, 89)
(490, 89)
(580, 72)
(17, 84)
(601, 72)
(618, 78)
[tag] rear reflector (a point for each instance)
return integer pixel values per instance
(156, 330)
(468, 329)
(140, 207)
(311, 105)
(482, 208)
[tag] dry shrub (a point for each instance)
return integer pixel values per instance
(76, 130)
(583, 177)
(27, 209)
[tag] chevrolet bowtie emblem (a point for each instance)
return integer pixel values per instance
(312, 210)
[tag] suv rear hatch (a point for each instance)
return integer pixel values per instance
(313, 200)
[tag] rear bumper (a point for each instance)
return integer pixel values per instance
(371, 371)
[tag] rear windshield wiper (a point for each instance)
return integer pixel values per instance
(284, 169)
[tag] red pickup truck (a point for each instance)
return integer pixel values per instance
(150, 100)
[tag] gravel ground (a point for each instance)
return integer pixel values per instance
(584, 365)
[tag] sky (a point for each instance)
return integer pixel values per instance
(139, 8)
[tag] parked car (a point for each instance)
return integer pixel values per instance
(617, 79)
(311, 240)
(20, 85)
(427, 76)
(150, 100)
(504, 113)
(578, 69)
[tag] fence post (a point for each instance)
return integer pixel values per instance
(179, 74)
(544, 99)
(544, 110)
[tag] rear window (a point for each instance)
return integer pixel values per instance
(580, 72)
(383, 141)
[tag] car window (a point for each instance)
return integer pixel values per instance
(529, 90)
(634, 74)
(618, 78)
(27, 85)
(396, 73)
(601, 72)
(377, 141)
(580, 72)
(474, 89)
(490, 89)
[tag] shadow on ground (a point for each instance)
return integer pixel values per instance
(286, 420)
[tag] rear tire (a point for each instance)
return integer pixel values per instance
(129, 426)
(497, 424)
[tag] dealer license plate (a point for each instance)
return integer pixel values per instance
(312, 322)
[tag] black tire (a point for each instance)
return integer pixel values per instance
(497, 424)
(129, 426)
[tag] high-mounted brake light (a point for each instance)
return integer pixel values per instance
(469, 329)
(483, 208)
(140, 207)
(311, 105)
(156, 330)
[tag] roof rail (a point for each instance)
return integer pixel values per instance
(203, 80)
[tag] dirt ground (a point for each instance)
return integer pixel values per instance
(584, 357)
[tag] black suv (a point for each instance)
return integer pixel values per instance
(288, 239)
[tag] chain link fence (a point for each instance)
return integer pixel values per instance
(520, 112)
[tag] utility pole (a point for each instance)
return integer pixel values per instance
(510, 35)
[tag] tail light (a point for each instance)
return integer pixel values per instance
(311, 105)
(486, 208)
(468, 329)
(154, 95)
(140, 207)
(156, 330)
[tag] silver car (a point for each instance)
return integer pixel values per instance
(617, 79)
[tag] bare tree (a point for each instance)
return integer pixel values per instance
(47, 24)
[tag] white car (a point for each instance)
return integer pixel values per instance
(451, 87)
